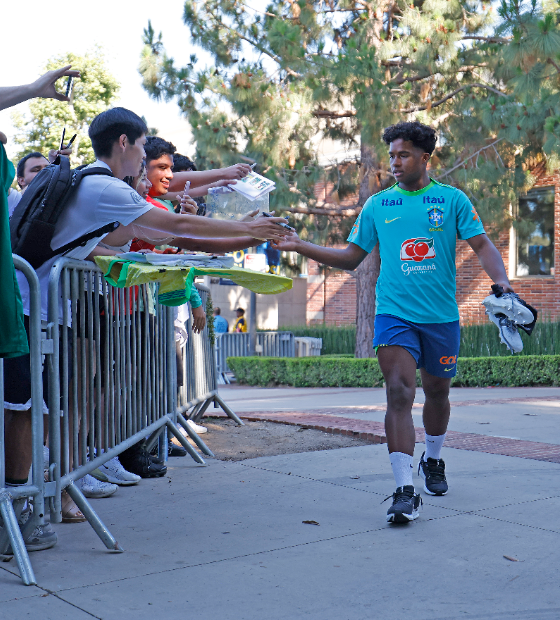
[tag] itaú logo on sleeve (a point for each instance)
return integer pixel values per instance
(418, 249)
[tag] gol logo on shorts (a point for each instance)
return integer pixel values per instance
(448, 361)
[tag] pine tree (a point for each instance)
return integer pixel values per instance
(94, 92)
(344, 70)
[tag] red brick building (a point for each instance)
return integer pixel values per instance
(530, 254)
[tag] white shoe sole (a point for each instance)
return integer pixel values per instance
(403, 518)
(99, 494)
(107, 477)
(512, 309)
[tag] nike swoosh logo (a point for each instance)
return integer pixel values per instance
(447, 369)
(389, 221)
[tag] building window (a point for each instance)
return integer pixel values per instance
(534, 232)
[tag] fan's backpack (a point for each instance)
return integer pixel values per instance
(34, 219)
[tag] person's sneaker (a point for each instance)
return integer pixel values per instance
(406, 505)
(113, 471)
(433, 472)
(173, 449)
(508, 332)
(510, 305)
(138, 461)
(176, 450)
(41, 538)
(199, 430)
(94, 488)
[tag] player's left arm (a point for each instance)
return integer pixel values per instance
(491, 260)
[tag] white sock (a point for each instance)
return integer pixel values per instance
(402, 468)
(434, 444)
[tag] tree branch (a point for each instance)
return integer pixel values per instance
(555, 65)
(401, 80)
(343, 212)
(257, 46)
(334, 115)
(461, 164)
(487, 39)
(435, 104)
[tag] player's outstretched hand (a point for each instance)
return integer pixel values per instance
(288, 243)
(45, 85)
(267, 228)
(238, 171)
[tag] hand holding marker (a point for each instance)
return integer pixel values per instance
(279, 223)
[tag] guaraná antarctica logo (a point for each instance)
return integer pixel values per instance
(418, 249)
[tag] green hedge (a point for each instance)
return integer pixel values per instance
(476, 340)
(348, 372)
(336, 339)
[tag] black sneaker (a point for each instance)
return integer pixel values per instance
(433, 472)
(175, 450)
(138, 461)
(172, 450)
(406, 504)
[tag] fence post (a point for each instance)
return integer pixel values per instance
(253, 324)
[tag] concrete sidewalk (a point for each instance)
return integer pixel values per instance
(228, 540)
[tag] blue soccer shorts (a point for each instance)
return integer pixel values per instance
(434, 346)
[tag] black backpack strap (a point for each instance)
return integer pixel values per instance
(81, 241)
(79, 174)
(86, 172)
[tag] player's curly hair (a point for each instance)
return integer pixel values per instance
(420, 135)
(155, 147)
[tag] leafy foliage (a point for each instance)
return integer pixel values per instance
(93, 93)
(344, 69)
(539, 370)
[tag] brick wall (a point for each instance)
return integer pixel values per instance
(334, 301)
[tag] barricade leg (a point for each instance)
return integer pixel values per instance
(16, 539)
(99, 527)
(154, 437)
(194, 436)
(228, 411)
(199, 411)
(181, 439)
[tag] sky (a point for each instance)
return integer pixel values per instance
(116, 25)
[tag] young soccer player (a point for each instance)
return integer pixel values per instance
(416, 223)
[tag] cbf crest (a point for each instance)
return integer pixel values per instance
(435, 215)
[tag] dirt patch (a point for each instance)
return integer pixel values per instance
(230, 442)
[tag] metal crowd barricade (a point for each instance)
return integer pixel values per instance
(199, 385)
(269, 344)
(307, 346)
(112, 378)
(12, 499)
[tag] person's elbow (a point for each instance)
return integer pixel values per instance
(481, 245)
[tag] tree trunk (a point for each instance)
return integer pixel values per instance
(366, 279)
(372, 181)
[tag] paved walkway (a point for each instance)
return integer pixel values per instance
(229, 540)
